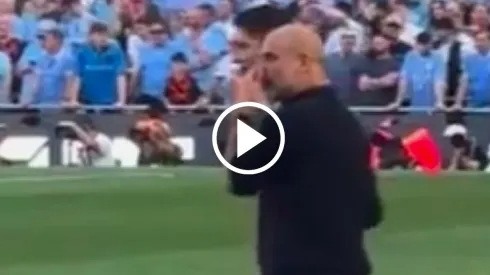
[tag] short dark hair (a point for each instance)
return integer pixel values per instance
(179, 57)
(207, 8)
(424, 38)
(98, 27)
(262, 19)
(52, 15)
(56, 33)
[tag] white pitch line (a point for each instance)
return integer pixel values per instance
(51, 178)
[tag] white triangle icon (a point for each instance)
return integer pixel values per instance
(247, 138)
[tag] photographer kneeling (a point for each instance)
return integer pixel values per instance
(153, 137)
(97, 147)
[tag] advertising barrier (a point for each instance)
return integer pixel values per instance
(37, 146)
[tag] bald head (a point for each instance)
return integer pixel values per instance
(295, 39)
(292, 59)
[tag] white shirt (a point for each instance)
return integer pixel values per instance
(104, 157)
(332, 44)
(134, 44)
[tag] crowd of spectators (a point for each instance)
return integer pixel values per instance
(384, 53)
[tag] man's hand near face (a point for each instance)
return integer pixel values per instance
(247, 87)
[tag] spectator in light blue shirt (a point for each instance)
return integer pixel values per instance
(475, 84)
(208, 43)
(20, 28)
(155, 60)
(77, 23)
(422, 76)
(29, 59)
(104, 11)
(54, 70)
(100, 70)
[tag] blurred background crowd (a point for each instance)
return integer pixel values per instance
(383, 53)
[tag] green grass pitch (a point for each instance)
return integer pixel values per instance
(180, 221)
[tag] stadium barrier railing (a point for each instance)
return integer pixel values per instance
(218, 108)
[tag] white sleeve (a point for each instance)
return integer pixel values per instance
(104, 144)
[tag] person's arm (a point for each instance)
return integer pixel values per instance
(462, 88)
(24, 65)
(121, 89)
(388, 80)
(462, 91)
(83, 136)
(74, 90)
(7, 82)
(402, 85)
(133, 50)
(440, 84)
(365, 82)
(136, 68)
(75, 83)
(121, 77)
(400, 93)
(69, 73)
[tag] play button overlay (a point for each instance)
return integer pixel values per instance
(249, 138)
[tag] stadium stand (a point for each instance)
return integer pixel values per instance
(399, 56)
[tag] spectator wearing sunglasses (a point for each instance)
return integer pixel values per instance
(154, 65)
(54, 70)
(32, 54)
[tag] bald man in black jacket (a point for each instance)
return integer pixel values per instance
(317, 201)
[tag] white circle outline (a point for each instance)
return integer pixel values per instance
(282, 137)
